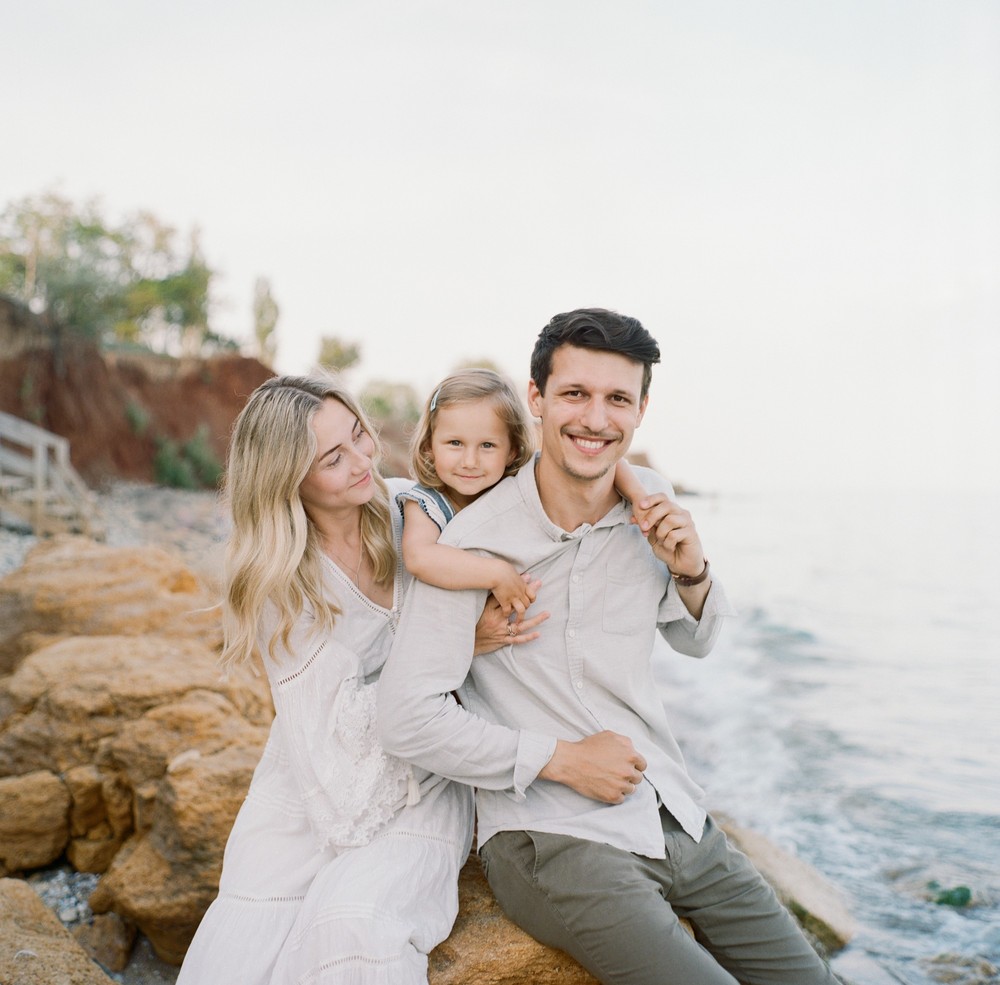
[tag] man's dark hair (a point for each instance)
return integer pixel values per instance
(594, 328)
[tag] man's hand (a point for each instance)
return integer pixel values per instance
(671, 533)
(604, 766)
(675, 541)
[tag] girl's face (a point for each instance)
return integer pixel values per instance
(341, 473)
(470, 448)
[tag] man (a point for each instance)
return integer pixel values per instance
(592, 835)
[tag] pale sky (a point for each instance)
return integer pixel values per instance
(800, 200)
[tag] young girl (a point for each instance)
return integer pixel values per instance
(473, 432)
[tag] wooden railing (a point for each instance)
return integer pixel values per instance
(39, 486)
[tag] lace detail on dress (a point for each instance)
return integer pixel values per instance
(369, 784)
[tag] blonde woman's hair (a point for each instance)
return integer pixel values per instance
(462, 387)
(273, 553)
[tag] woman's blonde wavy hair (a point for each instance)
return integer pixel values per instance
(273, 553)
(461, 387)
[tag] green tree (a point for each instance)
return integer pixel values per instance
(387, 401)
(337, 355)
(265, 319)
(114, 283)
(62, 260)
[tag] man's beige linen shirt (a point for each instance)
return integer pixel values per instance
(590, 670)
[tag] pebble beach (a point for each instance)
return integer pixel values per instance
(190, 524)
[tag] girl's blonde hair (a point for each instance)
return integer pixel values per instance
(273, 553)
(461, 387)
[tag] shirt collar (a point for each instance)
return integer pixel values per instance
(528, 486)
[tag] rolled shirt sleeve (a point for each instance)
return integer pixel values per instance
(685, 634)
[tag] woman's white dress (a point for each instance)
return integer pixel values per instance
(337, 869)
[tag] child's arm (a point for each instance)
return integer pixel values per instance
(628, 484)
(452, 568)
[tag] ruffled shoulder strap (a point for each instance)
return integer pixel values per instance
(434, 503)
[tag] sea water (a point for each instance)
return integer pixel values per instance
(851, 711)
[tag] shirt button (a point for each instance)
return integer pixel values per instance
(579, 685)
(572, 632)
(576, 577)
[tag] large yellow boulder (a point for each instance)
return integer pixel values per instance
(164, 878)
(35, 949)
(72, 586)
(34, 824)
(486, 948)
(68, 697)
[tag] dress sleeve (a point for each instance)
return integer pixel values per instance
(325, 714)
(433, 503)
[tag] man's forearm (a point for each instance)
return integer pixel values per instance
(694, 597)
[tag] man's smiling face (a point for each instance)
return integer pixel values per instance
(590, 410)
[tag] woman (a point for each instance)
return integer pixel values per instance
(342, 865)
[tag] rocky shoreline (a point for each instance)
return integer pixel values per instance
(164, 543)
(191, 525)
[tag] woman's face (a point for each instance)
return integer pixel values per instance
(340, 477)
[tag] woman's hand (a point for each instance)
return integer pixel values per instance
(495, 630)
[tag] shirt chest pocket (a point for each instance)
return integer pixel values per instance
(628, 610)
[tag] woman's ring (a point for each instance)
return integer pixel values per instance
(511, 629)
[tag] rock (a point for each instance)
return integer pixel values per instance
(486, 948)
(125, 720)
(34, 820)
(108, 939)
(136, 745)
(93, 838)
(164, 879)
(72, 586)
(68, 697)
(954, 969)
(35, 949)
(87, 810)
(200, 723)
(942, 882)
(814, 902)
